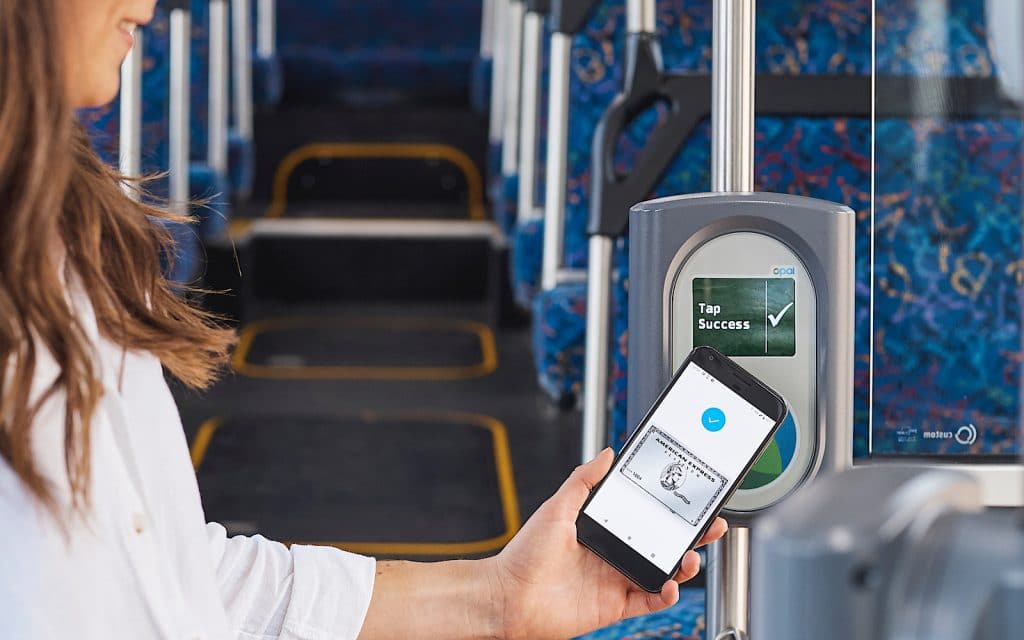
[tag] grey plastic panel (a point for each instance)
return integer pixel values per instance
(888, 553)
(666, 233)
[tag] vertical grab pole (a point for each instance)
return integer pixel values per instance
(130, 139)
(557, 158)
(567, 17)
(179, 106)
(595, 375)
(533, 46)
(241, 32)
(732, 96)
(513, 80)
(640, 19)
(499, 75)
(732, 169)
(266, 28)
(217, 146)
(487, 29)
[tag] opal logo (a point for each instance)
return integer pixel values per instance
(783, 270)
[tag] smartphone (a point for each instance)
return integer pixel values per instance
(679, 467)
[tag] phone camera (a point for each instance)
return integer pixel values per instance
(711, 357)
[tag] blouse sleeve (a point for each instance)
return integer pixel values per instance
(272, 592)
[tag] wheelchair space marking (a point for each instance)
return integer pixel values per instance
(383, 150)
(487, 365)
(511, 514)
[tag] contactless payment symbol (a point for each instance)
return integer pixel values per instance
(713, 419)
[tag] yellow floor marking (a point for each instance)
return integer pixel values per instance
(503, 471)
(487, 365)
(334, 150)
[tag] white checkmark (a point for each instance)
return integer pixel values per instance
(775, 320)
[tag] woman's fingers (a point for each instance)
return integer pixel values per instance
(641, 603)
(570, 497)
(689, 568)
(715, 531)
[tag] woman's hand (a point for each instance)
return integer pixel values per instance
(550, 586)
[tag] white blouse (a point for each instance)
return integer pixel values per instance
(144, 563)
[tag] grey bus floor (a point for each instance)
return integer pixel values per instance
(395, 464)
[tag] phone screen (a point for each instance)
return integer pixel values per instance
(679, 466)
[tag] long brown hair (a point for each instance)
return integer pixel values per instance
(53, 190)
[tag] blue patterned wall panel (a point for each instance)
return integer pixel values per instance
(947, 289)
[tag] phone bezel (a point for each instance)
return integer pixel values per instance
(617, 553)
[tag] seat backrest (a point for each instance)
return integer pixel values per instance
(947, 208)
(329, 47)
(797, 38)
(199, 92)
(104, 126)
(792, 38)
(103, 123)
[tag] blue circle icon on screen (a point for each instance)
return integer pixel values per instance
(713, 419)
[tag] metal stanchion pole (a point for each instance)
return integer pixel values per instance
(499, 71)
(130, 139)
(266, 28)
(640, 19)
(533, 46)
(557, 158)
(732, 170)
(241, 32)
(513, 84)
(217, 146)
(178, 162)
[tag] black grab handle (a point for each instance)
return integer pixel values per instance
(689, 98)
(543, 7)
(569, 16)
(646, 83)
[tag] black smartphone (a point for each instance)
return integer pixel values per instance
(679, 468)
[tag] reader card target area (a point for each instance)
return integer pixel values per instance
(674, 476)
(775, 459)
(745, 316)
(679, 466)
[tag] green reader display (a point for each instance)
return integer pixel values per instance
(745, 316)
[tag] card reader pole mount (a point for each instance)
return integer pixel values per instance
(732, 170)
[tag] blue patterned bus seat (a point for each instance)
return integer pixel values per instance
(684, 621)
(208, 186)
(103, 125)
(267, 72)
(330, 49)
(948, 280)
(480, 85)
(906, 47)
(785, 32)
(528, 235)
(267, 80)
(505, 205)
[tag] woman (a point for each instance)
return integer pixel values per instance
(101, 525)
